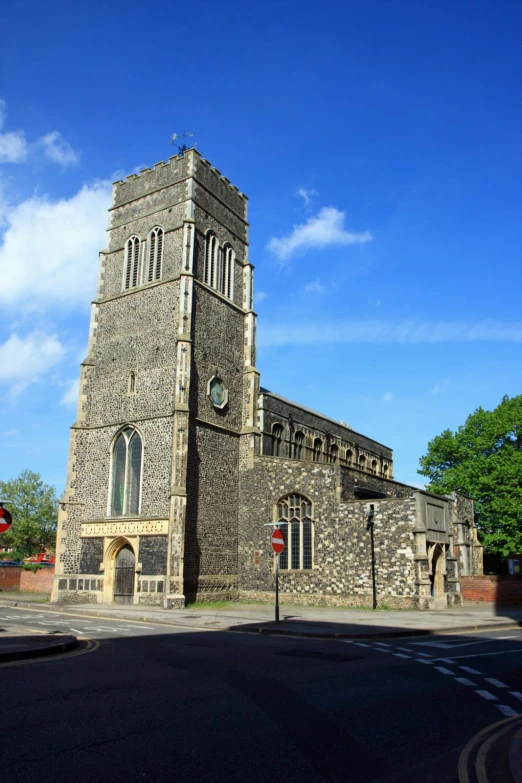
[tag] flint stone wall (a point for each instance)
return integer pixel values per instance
(342, 559)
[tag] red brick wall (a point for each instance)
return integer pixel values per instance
(15, 578)
(492, 589)
(10, 578)
(40, 581)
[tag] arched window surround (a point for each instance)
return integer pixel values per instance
(131, 264)
(294, 512)
(219, 265)
(154, 255)
(317, 450)
(126, 473)
(228, 271)
(210, 274)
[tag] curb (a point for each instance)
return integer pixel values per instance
(34, 652)
(260, 629)
(515, 756)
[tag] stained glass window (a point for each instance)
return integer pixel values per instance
(126, 473)
(295, 517)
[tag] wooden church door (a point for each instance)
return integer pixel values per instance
(124, 575)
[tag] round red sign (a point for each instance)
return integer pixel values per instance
(278, 541)
(5, 520)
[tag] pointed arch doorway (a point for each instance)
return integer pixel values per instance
(124, 575)
(438, 576)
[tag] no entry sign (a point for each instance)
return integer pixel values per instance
(5, 520)
(278, 542)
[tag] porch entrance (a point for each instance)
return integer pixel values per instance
(438, 581)
(124, 571)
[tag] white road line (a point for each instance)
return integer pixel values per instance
(425, 655)
(485, 655)
(443, 670)
(516, 694)
(401, 655)
(447, 660)
(465, 681)
(496, 683)
(487, 695)
(361, 644)
(137, 626)
(507, 637)
(75, 630)
(405, 649)
(469, 670)
(420, 660)
(383, 644)
(509, 712)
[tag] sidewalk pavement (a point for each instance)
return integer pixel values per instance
(296, 620)
(18, 643)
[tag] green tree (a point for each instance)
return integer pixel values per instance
(483, 459)
(34, 506)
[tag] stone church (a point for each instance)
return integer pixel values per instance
(179, 458)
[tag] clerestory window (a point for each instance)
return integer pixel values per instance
(294, 514)
(298, 445)
(126, 466)
(318, 446)
(277, 437)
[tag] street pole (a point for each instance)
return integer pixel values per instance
(374, 587)
(277, 590)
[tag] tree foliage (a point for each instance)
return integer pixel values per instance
(33, 506)
(483, 459)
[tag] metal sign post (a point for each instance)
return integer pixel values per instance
(278, 544)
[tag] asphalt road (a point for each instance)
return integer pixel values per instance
(162, 703)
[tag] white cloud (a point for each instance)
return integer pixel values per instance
(442, 386)
(314, 288)
(70, 398)
(58, 150)
(306, 194)
(387, 396)
(385, 332)
(322, 230)
(13, 146)
(49, 252)
(260, 295)
(23, 360)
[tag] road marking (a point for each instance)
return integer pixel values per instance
(507, 637)
(420, 660)
(361, 644)
(469, 670)
(425, 655)
(384, 644)
(516, 694)
(480, 743)
(75, 630)
(465, 681)
(443, 670)
(496, 683)
(401, 655)
(484, 655)
(405, 649)
(91, 646)
(447, 660)
(487, 695)
(509, 712)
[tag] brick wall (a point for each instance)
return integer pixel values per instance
(492, 589)
(10, 578)
(13, 578)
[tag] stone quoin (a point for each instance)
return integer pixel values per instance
(179, 458)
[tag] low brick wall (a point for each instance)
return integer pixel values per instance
(492, 589)
(14, 578)
(40, 581)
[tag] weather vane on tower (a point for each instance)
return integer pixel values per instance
(185, 135)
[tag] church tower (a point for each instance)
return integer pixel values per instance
(168, 394)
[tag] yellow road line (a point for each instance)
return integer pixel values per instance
(476, 740)
(91, 646)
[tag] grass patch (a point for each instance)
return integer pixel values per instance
(224, 605)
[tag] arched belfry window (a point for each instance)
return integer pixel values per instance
(211, 259)
(132, 262)
(298, 445)
(318, 446)
(294, 514)
(155, 254)
(362, 462)
(277, 437)
(228, 271)
(385, 471)
(127, 458)
(334, 454)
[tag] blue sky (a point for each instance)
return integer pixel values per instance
(379, 144)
